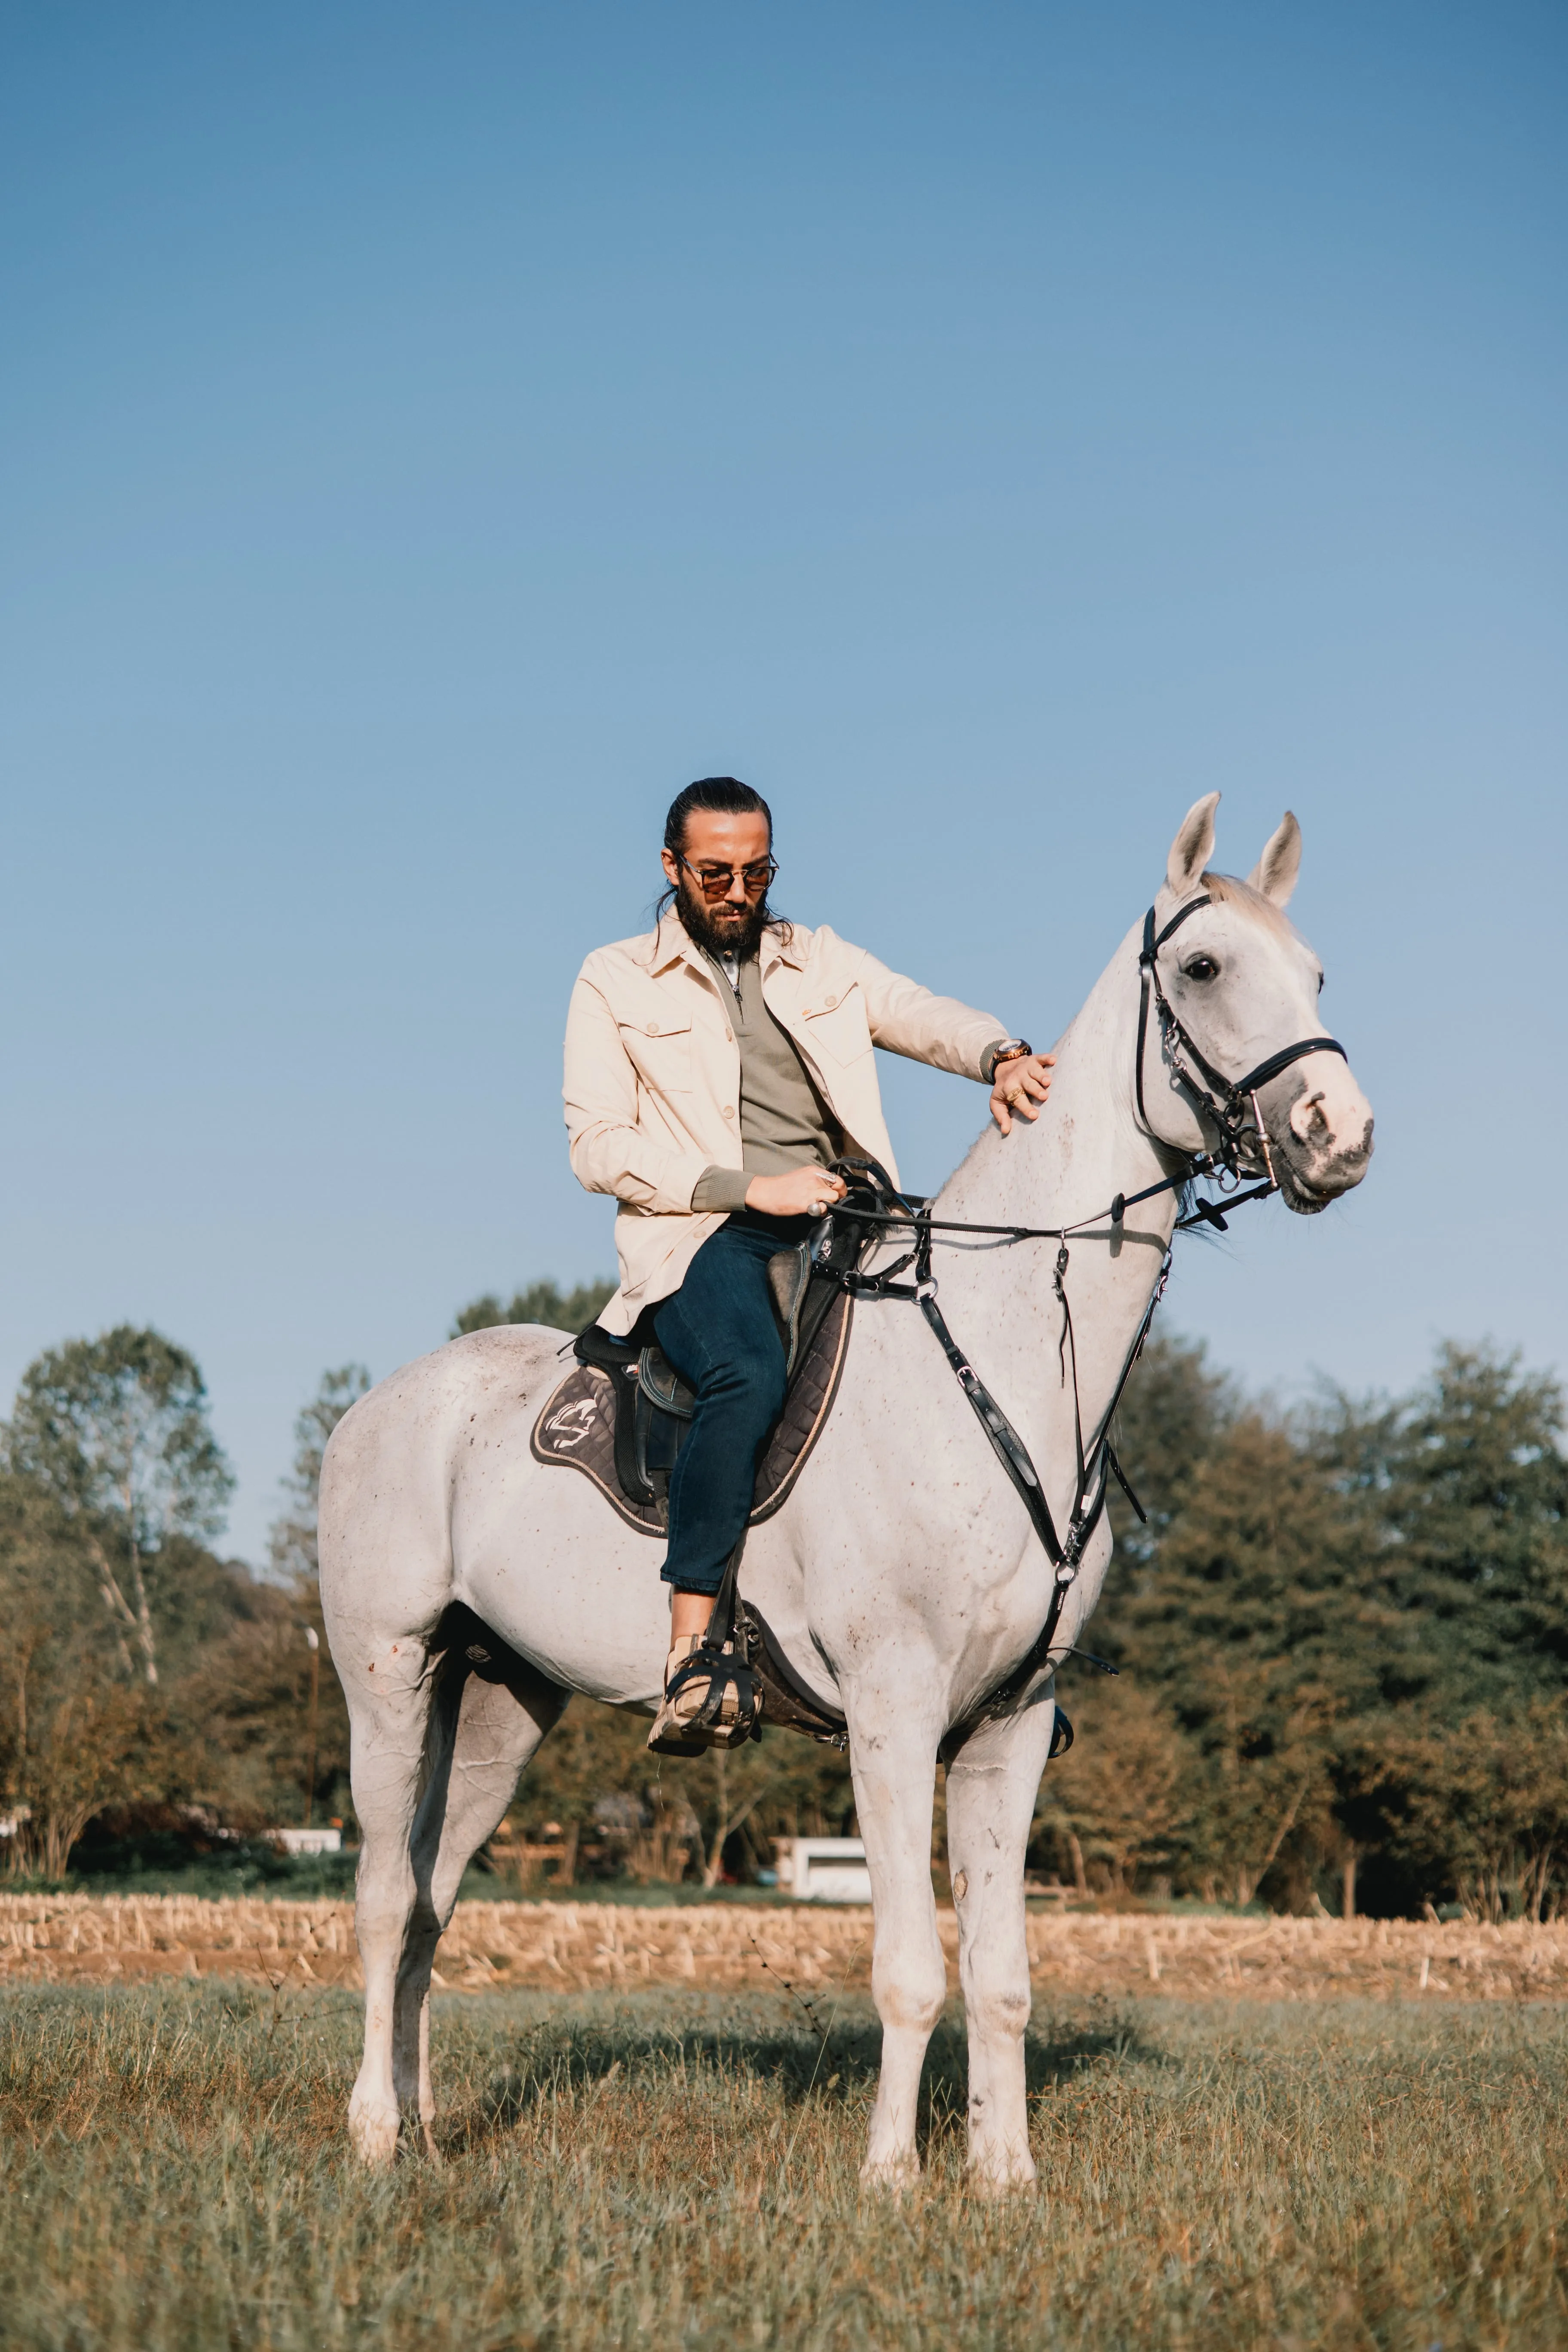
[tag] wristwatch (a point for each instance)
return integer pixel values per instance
(1009, 1050)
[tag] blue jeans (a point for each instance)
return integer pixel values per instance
(719, 1331)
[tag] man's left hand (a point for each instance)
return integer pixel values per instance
(1022, 1086)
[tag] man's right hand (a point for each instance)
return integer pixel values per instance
(802, 1193)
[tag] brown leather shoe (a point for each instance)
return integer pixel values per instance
(675, 1733)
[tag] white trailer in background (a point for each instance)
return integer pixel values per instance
(824, 1870)
(307, 1841)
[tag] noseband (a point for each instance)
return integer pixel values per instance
(1229, 1104)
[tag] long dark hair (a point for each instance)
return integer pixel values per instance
(713, 796)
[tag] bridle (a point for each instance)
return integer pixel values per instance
(1227, 1103)
(1231, 1107)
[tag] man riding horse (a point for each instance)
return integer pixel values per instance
(716, 1068)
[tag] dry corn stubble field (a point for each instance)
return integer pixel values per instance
(675, 2165)
(585, 1945)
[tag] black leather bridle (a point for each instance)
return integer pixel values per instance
(1229, 1104)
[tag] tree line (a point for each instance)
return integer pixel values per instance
(1340, 1636)
(1343, 1643)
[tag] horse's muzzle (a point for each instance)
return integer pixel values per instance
(1320, 1136)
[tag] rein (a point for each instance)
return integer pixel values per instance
(1227, 1103)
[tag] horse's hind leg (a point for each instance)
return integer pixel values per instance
(390, 1722)
(991, 1784)
(491, 1713)
(437, 1752)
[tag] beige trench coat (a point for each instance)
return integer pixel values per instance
(653, 1075)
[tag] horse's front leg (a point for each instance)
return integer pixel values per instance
(992, 1785)
(893, 1755)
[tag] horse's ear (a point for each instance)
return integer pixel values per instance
(1192, 847)
(1275, 871)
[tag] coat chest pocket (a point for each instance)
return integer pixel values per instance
(660, 1050)
(835, 1026)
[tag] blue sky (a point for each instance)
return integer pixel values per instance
(428, 437)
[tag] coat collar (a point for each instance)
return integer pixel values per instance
(671, 945)
(789, 946)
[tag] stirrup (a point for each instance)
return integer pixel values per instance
(724, 1713)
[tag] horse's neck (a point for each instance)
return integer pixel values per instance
(1086, 1146)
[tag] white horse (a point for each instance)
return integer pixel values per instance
(903, 1577)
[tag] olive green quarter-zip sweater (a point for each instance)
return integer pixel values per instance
(785, 1123)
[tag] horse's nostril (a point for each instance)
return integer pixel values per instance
(1308, 1121)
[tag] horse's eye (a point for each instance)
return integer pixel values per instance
(1202, 968)
(1319, 983)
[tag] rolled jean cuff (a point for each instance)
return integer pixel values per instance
(695, 1580)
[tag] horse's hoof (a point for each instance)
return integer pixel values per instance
(891, 2176)
(1006, 2175)
(374, 2137)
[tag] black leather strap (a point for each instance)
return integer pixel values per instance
(1283, 1059)
(1094, 1463)
(1227, 1102)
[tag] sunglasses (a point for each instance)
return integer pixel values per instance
(717, 881)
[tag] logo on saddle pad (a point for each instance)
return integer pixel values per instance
(571, 1424)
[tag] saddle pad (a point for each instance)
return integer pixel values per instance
(576, 1428)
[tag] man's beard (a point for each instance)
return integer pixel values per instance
(722, 929)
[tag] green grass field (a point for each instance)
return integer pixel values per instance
(678, 2170)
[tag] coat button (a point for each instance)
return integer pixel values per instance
(831, 1002)
(653, 1028)
(729, 1110)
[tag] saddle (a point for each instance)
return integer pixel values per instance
(623, 1413)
